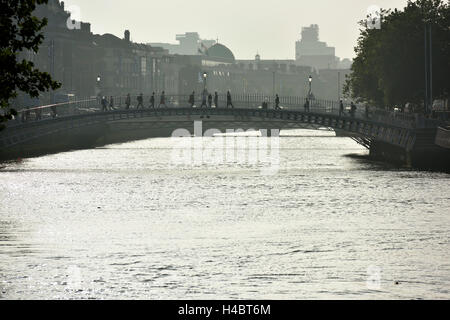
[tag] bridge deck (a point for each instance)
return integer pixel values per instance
(364, 125)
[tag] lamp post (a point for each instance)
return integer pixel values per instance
(339, 86)
(205, 77)
(273, 90)
(97, 87)
(428, 68)
(310, 87)
(428, 48)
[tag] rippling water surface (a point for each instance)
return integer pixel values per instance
(120, 222)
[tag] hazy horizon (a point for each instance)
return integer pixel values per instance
(246, 27)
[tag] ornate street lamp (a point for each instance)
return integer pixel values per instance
(205, 77)
(310, 87)
(97, 86)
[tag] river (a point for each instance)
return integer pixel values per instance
(127, 221)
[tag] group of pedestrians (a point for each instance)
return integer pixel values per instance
(265, 104)
(139, 99)
(107, 104)
(352, 110)
(207, 100)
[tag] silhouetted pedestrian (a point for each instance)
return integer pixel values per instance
(111, 103)
(54, 112)
(38, 113)
(307, 105)
(210, 99)
(277, 103)
(216, 99)
(104, 104)
(140, 100)
(192, 99)
(229, 102)
(204, 96)
(162, 101)
(128, 101)
(152, 101)
(341, 108)
(26, 115)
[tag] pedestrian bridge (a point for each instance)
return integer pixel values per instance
(83, 124)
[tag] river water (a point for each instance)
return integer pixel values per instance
(126, 222)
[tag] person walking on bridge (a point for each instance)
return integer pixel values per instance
(111, 103)
(152, 101)
(341, 108)
(204, 96)
(210, 99)
(162, 101)
(229, 102)
(277, 103)
(104, 104)
(307, 105)
(140, 100)
(216, 99)
(128, 101)
(265, 104)
(54, 111)
(192, 99)
(38, 113)
(26, 115)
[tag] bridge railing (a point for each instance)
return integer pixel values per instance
(46, 112)
(242, 101)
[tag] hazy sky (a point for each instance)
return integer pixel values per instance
(245, 26)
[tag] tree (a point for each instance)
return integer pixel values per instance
(389, 68)
(20, 31)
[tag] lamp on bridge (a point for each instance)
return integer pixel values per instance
(97, 87)
(310, 94)
(205, 77)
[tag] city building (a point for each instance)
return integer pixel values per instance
(270, 76)
(189, 43)
(90, 65)
(314, 53)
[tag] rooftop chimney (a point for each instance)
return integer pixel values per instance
(127, 35)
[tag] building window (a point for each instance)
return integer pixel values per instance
(143, 66)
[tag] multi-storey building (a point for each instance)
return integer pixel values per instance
(91, 65)
(314, 53)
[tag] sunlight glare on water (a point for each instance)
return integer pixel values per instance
(121, 222)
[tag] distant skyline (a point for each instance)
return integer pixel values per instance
(246, 27)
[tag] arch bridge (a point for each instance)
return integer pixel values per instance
(85, 124)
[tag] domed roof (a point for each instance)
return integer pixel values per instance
(221, 52)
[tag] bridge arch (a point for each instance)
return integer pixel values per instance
(86, 130)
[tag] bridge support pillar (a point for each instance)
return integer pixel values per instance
(270, 132)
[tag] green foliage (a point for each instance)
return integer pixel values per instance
(389, 68)
(20, 31)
